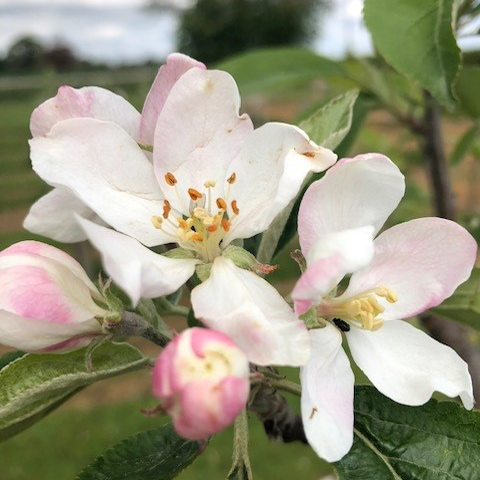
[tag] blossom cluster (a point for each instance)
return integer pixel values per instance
(192, 176)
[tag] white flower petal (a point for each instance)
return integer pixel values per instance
(406, 365)
(251, 311)
(423, 261)
(135, 268)
(329, 259)
(176, 65)
(101, 164)
(198, 133)
(327, 396)
(89, 102)
(270, 170)
(53, 216)
(356, 192)
(34, 335)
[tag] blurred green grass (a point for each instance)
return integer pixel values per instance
(66, 441)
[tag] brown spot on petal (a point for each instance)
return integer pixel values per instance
(309, 154)
(314, 411)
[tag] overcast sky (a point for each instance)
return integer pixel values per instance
(119, 31)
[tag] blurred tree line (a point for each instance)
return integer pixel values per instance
(28, 54)
(215, 29)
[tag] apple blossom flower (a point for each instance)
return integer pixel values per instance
(53, 214)
(46, 299)
(406, 270)
(214, 179)
(202, 381)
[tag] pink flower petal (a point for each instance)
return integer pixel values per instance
(356, 192)
(328, 261)
(423, 261)
(176, 65)
(90, 102)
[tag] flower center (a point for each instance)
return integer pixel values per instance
(214, 365)
(361, 310)
(209, 220)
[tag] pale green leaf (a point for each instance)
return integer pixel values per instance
(467, 89)
(34, 384)
(437, 441)
(464, 305)
(158, 454)
(241, 468)
(465, 143)
(262, 70)
(416, 38)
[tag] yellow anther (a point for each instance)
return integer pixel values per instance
(210, 183)
(225, 224)
(221, 203)
(362, 310)
(235, 209)
(183, 223)
(232, 178)
(170, 179)
(194, 194)
(166, 209)
(157, 221)
(377, 323)
(387, 293)
(197, 237)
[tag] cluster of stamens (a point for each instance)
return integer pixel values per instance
(208, 222)
(361, 310)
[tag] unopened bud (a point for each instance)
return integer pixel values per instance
(202, 381)
(244, 259)
(48, 300)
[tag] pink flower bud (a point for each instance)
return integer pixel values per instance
(46, 299)
(202, 380)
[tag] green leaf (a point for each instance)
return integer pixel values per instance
(328, 126)
(263, 70)
(416, 38)
(330, 123)
(158, 454)
(466, 88)
(437, 441)
(465, 144)
(33, 385)
(241, 468)
(464, 305)
(33, 413)
(10, 357)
